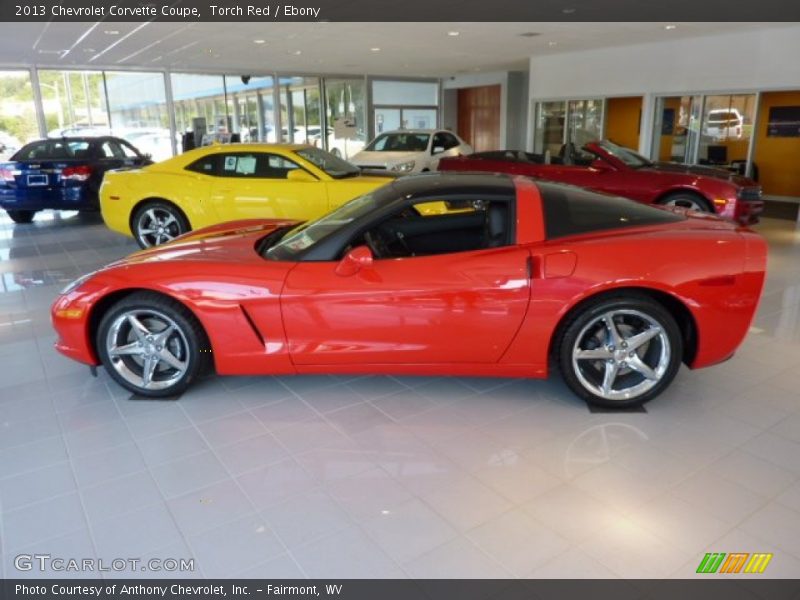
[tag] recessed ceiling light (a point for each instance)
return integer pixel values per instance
(297, 52)
(454, 33)
(529, 34)
(375, 49)
(552, 43)
(568, 11)
(259, 41)
(111, 32)
(670, 27)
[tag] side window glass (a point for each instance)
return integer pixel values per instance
(448, 226)
(450, 141)
(206, 165)
(128, 151)
(239, 165)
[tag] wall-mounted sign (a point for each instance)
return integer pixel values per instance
(784, 121)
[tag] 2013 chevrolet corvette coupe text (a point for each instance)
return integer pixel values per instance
(467, 274)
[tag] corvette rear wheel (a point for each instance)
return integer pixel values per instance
(686, 200)
(620, 351)
(157, 223)
(152, 345)
(21, 216)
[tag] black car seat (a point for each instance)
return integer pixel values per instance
(567, 154)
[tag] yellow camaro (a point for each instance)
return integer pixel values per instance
(221, 183)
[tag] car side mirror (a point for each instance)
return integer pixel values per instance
(300, 175)
(438, 149)
(356, 259)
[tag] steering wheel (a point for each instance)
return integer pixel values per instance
(376, 244)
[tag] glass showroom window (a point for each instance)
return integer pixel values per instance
(563, 122)
(404, 104)
(17, 112)
(301, 111)
(138, 111)
(726, 131)
(708, 130)
(345, 111)
(677, 128)
(200, 109)
(551, 119)
(74, 102)
(251, 108)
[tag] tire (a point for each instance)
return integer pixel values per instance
(158, 222)
(172, 363)
(21, 216)
(687, 200)
(599, 366)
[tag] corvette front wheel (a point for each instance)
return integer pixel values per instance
(620, 351)
(152, 345)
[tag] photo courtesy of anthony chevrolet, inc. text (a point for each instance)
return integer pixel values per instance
(358, 299)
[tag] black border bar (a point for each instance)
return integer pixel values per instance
(402, 10)
(750, 587)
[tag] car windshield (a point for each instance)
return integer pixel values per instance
(332, 165)
(400, 142)
(303, 236)
(626, 155)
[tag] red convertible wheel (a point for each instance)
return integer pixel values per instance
(152, 345)
(687, 200)
(621, 351)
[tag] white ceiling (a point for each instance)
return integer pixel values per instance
(412, 49)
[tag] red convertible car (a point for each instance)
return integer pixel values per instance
(606, 167)
(463, 274)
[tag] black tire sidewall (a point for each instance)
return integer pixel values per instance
(162, 205)
(591, 311)
(21, 216)
(191, 330)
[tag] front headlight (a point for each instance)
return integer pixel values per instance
(77, 283)
(404, 167)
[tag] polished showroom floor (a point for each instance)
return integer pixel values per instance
(384, 476)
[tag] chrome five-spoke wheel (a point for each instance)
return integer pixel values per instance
(157, 224)
(151, 344)
(147, 348)
(621, 352)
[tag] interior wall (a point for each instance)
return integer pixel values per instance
(753, 60)
(479, 116)
(622, 120)
(778, 158)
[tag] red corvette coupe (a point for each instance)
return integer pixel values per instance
(606, 167)
(465, 274)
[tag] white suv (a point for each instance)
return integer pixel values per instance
(724, 124)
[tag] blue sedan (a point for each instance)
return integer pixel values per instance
(62, 174)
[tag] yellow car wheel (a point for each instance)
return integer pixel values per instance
(157, 222)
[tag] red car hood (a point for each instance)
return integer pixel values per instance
(233, 242)
(665, 167)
